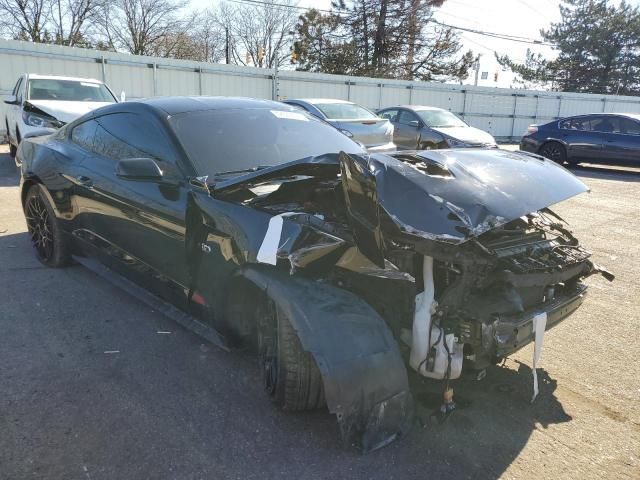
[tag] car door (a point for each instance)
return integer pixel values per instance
(407, 130)
(623, 143)
(609, 131)
(582, 141)
(137, 222)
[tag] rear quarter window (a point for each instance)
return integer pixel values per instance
(579, 123)
(83, 134)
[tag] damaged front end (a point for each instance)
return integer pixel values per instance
(455, 251)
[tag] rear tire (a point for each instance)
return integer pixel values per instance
(554, 151)
(48, 241)
(291, 376)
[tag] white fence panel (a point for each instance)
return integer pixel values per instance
(505, 113)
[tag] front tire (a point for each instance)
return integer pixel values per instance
(554, 151)
(291, 376)
(47, 238)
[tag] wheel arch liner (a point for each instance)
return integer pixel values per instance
(365, 379)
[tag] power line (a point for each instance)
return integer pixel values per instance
(501, 36)
(283, 5)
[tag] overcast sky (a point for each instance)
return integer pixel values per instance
(523, 18)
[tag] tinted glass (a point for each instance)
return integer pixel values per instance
(630, 127)
(84, 134)
(68, 90)
(606, 124)
(406, 117)
(109, 145)
(577, 123)
(345, 111)
(141, 132)
(226, 140)
(391, 115)
(440, 118)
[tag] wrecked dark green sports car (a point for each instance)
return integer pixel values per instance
(347, 271)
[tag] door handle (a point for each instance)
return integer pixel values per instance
(84, 181)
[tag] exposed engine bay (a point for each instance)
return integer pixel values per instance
(456, 252)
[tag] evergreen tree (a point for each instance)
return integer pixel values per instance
(599, 49)
(380, 38)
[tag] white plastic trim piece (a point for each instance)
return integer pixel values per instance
(539, 327)
(269, 248)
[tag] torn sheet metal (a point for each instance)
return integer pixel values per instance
(539, 327)
(481, 191)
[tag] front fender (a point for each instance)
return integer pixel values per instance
(364, 376)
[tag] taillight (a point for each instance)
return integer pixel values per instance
(532, 129)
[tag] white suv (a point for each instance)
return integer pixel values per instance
(40, 104)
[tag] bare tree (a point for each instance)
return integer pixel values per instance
(207, 33)
(141, 26)
(202, 41)
(260, 34)
(73, 19)
(25, 19)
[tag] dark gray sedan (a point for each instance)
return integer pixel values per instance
(426, 128)
(354, 120)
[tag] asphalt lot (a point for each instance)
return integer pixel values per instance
(172, 406)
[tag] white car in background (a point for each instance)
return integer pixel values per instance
(43, 103)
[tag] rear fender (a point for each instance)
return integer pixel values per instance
(365, 379)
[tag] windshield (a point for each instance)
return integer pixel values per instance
(229, 140)
(440, 118)
(345, 111)
(69, 90)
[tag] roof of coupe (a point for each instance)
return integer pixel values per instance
(175, 105)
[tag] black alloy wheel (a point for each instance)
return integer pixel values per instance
(40, 228)
(554, 151)
(49, 244)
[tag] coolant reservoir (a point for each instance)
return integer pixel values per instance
(429, 355)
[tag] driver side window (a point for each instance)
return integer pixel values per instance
(391, 115)
(405, 117)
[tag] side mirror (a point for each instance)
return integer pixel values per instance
(138, 169)
(11, 100)
(414, 123)
(123, 96)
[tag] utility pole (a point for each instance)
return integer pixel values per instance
(475, 82)
(61, 34)
(226, 44)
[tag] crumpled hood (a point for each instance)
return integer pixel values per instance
(66, 111)
(442, 195)
(454, 195)
(470, 135)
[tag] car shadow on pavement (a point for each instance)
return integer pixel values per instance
(493, 420)
(9, 175)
